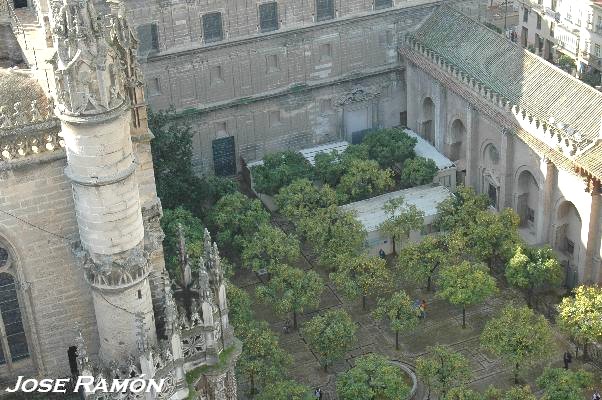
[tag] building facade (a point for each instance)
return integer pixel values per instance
(551, 28)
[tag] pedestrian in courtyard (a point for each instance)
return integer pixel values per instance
(567, 358)
(381, 254)
(596, 396)
(287, 326)
(318, 393)
(423, 309)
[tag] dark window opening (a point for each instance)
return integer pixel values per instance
(530, 214)
(380, 4)
(570, 246)
(72, 356)
(139, 293)
(403, 119)
(212, 27)
(20, 3)
(148, 38)
(3, 257)
(526, 15)
(324, 10)
(14, 341)
(268, 17)
(492, 194)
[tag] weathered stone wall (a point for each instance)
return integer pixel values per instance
(493, 155)
(55, 297)
(10, 52)
(280, 89)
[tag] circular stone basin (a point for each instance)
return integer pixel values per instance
(410, 375)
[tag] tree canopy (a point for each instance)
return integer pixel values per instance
(418, 171)
(442, 369)
(563, 384)
(581, 316)
(461, 209)
(402, 218)
(389, 146)
(420, 262)
(262, 361)
(194, 234)
(493, 237)
(334, 234)
(531, 269)
(292, 290)
(239, 307)
(236, 217)
(373, 377)
(466, 284)
(279, 170)
(269, 246)
(286, 389)
(363, 179)
(399, 311)
(519, 336)
(330, 335)
(362, 276)
(302, 198)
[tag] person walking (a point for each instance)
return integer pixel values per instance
(567, 358)
(423, 309)
(381, 254)
(596, 396)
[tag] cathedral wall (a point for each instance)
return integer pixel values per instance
(55, 298)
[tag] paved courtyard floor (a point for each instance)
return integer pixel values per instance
(442, 325)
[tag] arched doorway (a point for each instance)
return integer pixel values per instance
(527, 200)
(490, 180)
(427, 128)
(567, 239)
(455, 148)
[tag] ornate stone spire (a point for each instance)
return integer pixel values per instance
(95, 58)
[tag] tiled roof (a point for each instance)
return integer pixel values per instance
(524, 79)
(591, 160)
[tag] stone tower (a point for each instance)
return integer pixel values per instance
(95, 77)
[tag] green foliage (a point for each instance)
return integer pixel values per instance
(279, 170)
(592, 78)
(194, 233)
(399, 310)
(493, 237)
(466, 284)
(519, 393)
(177, 185)
(566, 63)
(334, 234)
(420, 262)
(401, 219)
(581, 316)
(235, 217)
(519, 336)
(216, 187)
(373, 377)
(362, 276)
(292, 290)
(363, 179)
(463, 393)
(330, 335)
(287, 389)
(269, 246)
(531, 269)
(389, 146)
(442, 369)
(301, 198)
(461, 209)
(262, 361)
(239, 306)
(418, 171)
(329, 167)
(562, 384)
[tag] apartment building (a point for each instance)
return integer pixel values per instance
(551, 28)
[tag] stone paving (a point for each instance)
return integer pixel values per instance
(442, 325)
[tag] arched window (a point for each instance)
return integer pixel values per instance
(12, 333)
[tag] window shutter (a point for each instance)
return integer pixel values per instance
(268, 17)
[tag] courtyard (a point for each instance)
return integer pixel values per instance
(442, 325)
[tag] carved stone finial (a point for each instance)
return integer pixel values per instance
(19, 118)
(5, 119)
(36, 116)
